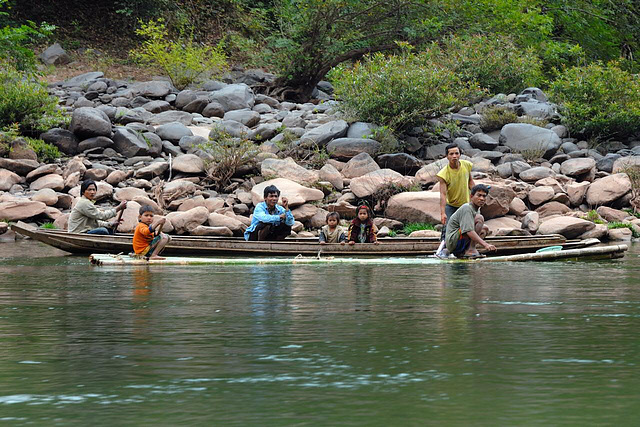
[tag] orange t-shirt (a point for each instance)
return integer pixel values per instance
(142, 237)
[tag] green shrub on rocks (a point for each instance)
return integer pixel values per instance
(493, 62)
(628, 225)
(25, 101)
(46, 152)
(183, 61)
(399, 91)
(494, 118)
(228, 156)
(415, 226)
(600, 100)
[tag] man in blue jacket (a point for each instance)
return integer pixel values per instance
(270, 221)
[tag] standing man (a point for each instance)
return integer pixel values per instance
(466, 226)
(455, 181)
(270, 221)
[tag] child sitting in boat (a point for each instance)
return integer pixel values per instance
(362, 229)
(148, 241)
(332, 232)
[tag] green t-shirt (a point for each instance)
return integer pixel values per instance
(462, 221)
(457, 183)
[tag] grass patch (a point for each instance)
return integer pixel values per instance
(593, 216)
(415, 226)
(613, 225)
(632, 213)
(49, 226)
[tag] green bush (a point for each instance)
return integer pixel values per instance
(494, 62)
(25, 101)
(183, 61)
(46, 152)
(399, 91)
(598, 100)
(415, 226)
(628, 225)
(494, 118)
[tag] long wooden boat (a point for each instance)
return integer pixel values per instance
(599, 252)
(206, 246)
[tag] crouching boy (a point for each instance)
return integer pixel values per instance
(148, 241)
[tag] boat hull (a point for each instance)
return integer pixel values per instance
(205, 246)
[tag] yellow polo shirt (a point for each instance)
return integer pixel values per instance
(457, 183)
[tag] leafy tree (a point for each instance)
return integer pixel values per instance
(314, 36)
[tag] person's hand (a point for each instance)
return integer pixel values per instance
(122, 206)
(342, 243)
(114, 223)
(351, 243)
(443, 218)
(490, 247)
(323, 243)
(285, 203)
(283, 216)
(376, 243)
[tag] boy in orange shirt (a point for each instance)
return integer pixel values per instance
(147, 240)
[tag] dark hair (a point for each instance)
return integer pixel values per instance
(480, 187)
(451, 146)
(85, 184)
(356, 220)
(146, 208)
(335, 215)
(271, 189)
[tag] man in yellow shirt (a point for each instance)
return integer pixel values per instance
(455, 183)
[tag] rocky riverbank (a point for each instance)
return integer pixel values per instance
(141, 142)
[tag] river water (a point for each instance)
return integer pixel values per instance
(448, 344)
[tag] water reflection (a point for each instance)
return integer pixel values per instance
(367, 345)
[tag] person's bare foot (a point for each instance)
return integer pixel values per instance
(153, 258)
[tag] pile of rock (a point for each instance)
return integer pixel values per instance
(141, 143)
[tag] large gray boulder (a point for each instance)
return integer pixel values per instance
(19, 166)
(87, 122)
(82, 80)
(153, 89)
(55, 55)
(346, 148)
(576, 167)
(8, 179)
(403, 163)
(130, 143)
(188, 163)
(535, 174)
(247, 117)
(361, 130)
(321, 135)
(173, 132)
(65, 140)
(234, 97)
(171, 116)
(16, 210)
(535, 109)
(483, 141)
(95, 142)
(526, 138)
(231, 127)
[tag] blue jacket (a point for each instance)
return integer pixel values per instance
(261, 214)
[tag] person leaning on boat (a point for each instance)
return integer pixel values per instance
(87, 218)
(270, 221)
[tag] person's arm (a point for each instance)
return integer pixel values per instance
(321, 237)
(480, 241)
(260, 214)
(443, 200)
(342, 238)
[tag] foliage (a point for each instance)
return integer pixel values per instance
(598, 100)
(533, 121)
(628, 225)
(183, 60)
(25, 101)
(49, 226)
(494, 118)
(415, 226)
(593, 216)
(16, 42)
(494, 62)
(392, 233)
(46, 152)
(632, 213)
(228, 156)
(532, 155)
(389, 142)
(313, 36)
(399, 91)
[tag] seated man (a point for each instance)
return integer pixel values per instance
(466, 226)
(87, 218)
(270, 221)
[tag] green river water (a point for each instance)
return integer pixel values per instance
(450, 344)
